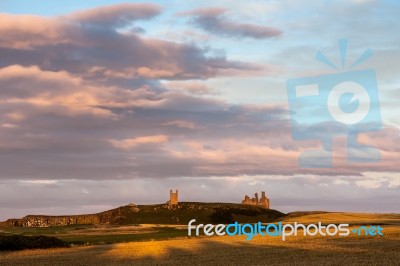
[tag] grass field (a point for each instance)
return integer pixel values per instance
(102, 234)
(176, 248)
(343, 217)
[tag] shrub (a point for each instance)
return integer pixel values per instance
(19, 242)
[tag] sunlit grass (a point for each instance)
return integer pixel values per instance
(316, 250)
(345, 217)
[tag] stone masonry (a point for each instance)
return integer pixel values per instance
(264, 201)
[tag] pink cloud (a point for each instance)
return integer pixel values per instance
(129, 144)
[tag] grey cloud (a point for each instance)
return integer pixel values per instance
(103, 53)
(116, 15)
(64, 131)
(215, 21)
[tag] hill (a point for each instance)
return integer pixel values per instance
(156, 214)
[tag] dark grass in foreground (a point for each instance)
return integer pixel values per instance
(98, 235)
(159, 233)
(18, 242)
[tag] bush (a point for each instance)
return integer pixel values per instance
(19, 242)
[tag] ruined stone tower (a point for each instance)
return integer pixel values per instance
(264, 201)
(173, 198)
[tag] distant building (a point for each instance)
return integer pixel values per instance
(264, 201)
(173, 198)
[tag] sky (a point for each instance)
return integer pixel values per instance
(106, 103)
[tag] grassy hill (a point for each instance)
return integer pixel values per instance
(156, 214)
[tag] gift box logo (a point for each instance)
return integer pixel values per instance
(343, 103)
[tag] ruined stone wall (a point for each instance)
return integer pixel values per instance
(264, 201)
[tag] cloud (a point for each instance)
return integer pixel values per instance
(15, 78)
(67, 44)
(215, 21)
(115, 16)
(40, 182)
(27, 31)
(61, 118)
(190, 87)
(181, 124)
(9, 125)
(369, 184)
(60, 92)
(128, 144)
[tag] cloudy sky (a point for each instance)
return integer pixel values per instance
(105, 103)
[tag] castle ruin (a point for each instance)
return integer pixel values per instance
(173, 198)
(263, 202)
